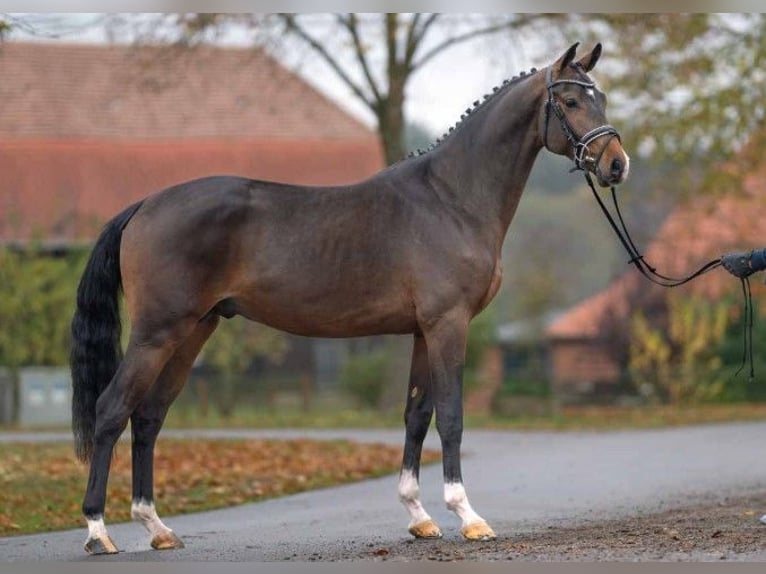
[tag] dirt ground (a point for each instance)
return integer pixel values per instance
(713, 531)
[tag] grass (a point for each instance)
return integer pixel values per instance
(574, 418)
(284, 417)
(43, 485)
(604, 418)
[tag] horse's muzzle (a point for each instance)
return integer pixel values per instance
(615, 173)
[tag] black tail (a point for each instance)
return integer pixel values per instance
(96, 329)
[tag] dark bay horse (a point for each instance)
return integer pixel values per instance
(413, 249)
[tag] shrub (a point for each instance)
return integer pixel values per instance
(364, 376)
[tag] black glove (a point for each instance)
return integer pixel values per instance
(745, 263)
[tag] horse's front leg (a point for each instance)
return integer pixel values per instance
(417, 418)
(446, 341)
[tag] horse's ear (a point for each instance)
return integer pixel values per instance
(589, 61)
(567, 58)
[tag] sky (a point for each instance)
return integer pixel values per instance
(436, 96)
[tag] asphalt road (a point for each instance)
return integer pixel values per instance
(518, 481)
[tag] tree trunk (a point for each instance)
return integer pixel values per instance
(390, 114)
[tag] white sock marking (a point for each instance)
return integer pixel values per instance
(409, 494)
(763, 519)
(457, 502)
(97, 529)
(144, 512)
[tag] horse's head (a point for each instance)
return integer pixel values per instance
(573, 120)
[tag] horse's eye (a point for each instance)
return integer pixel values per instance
(570, 103)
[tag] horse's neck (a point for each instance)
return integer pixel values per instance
(483, 167)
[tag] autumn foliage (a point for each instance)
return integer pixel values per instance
(43, 484)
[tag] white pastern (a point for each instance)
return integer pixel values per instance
(144, 512)
(763, 519)
(97, 529)
(457, 502)
(409, 494)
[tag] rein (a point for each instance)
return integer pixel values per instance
(636, 258)
(741, 265)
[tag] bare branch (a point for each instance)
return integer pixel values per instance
(410, 45)
(293, 26)
(45, 26)
(350, 23)
(414, 42)
(486, 31)
(391, 24)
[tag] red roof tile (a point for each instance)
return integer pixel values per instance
(64, 191)
(58, 90)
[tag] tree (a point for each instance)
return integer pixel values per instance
(680, 364)
(37, 295)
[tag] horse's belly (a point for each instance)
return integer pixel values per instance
(335, 315)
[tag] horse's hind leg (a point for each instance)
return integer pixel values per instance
(143, 362)
(417, 418)
(146, 423)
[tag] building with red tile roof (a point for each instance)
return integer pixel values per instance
(88, 129)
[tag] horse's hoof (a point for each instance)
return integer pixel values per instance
(167, 541)
(100, 546)
(426, 529)
(478, 531)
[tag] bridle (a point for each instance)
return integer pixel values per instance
(580, 144)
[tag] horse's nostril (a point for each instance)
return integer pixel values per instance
(616, 167)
